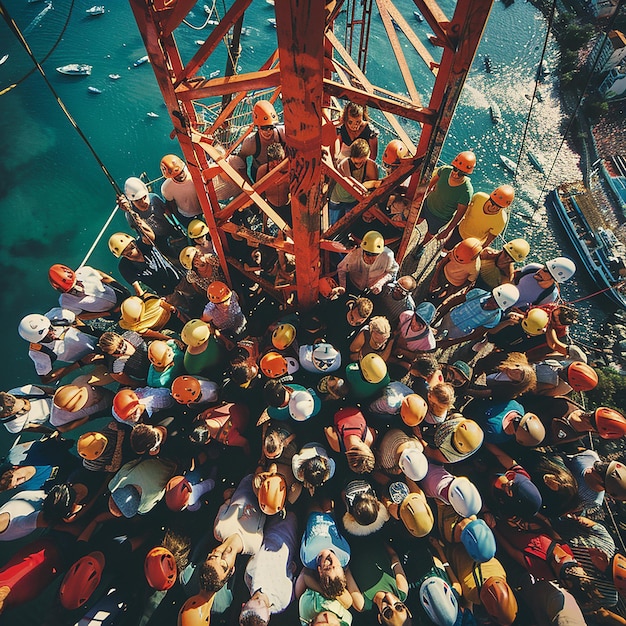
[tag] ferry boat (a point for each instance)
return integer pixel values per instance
(509, 164)
(535, 162)
(75, 69)
(494, 111)
(601, 252)
(140, 61)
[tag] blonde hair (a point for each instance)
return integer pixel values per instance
(380, 324)
(110, 342)
(528, 381)
(443, 393)
(360, 458)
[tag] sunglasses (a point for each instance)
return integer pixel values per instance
(458, 171)
(388, 610)
(270, 127)
(366, 253)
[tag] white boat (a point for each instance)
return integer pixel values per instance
(199, 42)
(418, 16)
(114, 76)
(3, 59)
(152, 114)
(94, 90)
(96, 9)
(535, 162)
(140, 61)
(272, 22)
(494, 111)
(214, 74)
(270, 2)
(75, 69)
(509, 164)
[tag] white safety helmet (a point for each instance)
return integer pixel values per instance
(464, 497)
(506, 295)
(413, 463)
(135, 188)
(34, 327)
(439, 601)
(561, 269)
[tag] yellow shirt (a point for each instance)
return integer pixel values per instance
(476, 223)
(471, 575)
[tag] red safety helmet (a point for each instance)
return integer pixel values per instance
(467, 250)
(610, 424)
(274, 365)
(186, 389)
(160, 568)
(218, 292)
(264, 113)
(503, 196)
(395, 151)
(619, 574)
(125, 403)
(171, 166)
(465, 161)
(61, 277)
(581, 377)
(81, 580)
(177, 493)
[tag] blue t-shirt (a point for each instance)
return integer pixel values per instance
(322, 534)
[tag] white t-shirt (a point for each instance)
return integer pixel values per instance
(39, 409)
(183, 194)
(23, 510)
(98, 297)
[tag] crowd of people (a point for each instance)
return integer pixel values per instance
(239, 461)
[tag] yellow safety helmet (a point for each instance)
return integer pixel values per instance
(535, 321)
(90, 446)
(160, 353)
(373, 368)
(467, 436)
(264, 113)
(71, 398)
(530, 431)
(132, 310)
(416, 515)
(171, 166)
(619, 574)
(373, 242)
(413, 409)
(465, 161)
(503, 196)
(517, 249)
(283, 336)
(197, 228)
(118, 242)
(187, 255)
(195, 333)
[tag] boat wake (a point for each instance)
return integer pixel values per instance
(38, 18)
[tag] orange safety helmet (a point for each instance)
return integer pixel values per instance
(218, 292)
(499, 600)
(125, 403)
(177, 493)
(160, 353)
(171, 166)
(619, 574)
(395, 151)
(160, 568)
(467, 250)
(413, 409)
(465, 161)
(503, 196)
(81, 580)
(186, 389)
(274, 365)
(61, 277)
(581, 377)
(271, 489)
(610, 423)
(326, 286)
(264, 113)
(196, 611)
(91, 445)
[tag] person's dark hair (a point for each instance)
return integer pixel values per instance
(315, 471)
(352, 109)
(577, 582)
(6, 478)
(200, 434)
(275, 152)
(242, 372)
(365, 508)
(7, 404)
(58, 503)
(208, 578)
(143, 438)
(332, 587)
(567, 315)
(425, 365)
(557, 485)
(275, 393)
(179, 546)
(250, 618)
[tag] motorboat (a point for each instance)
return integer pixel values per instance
(214, 74)
(509, 164)
(141, 61)
(152, 114)
(114, 76)
(75, 69)
(94, 90)
(487, 61)
(535, 162)
(199, 42)
(418, 16)
(97, 9)
(4, 59)
(494, 111)
(271, 21)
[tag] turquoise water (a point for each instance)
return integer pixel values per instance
(54, 198)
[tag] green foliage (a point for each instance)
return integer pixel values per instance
(569, 80)
(575, 36)
(594, 109)
(569, 60)
(611, 390)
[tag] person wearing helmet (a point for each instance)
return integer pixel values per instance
(539, 284)
(224, 423)
(456, 439)
(439, 601)
(125, 357)
(498, 266)
(166, 363)
(468, 317)
(375, 337)
(203, 351)
(390, 449)
(355, 124)
(367, 377)
(278, 194)
(202, 269)
(370, 266)
(389, 401)
(223, 311)
(142, 404)
(560, 378)
(55, 338)
(269, 574)
(148, 315)
(268, 131)
(78, 402)
(141, 262)
(351, 434)
(486, 217)
(358, 167)
(396, 297)
(87, 292)
(457, 272)
(105, 450)
(447, 196)
(319, 358)
(198, 234)
(179, 190)
(194, 391)
(143, 207)
(414, 334)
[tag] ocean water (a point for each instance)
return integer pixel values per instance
(54, 198)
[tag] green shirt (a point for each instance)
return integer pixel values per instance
(444, 199)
